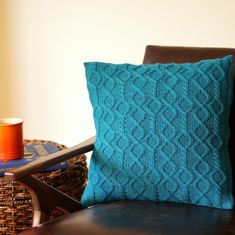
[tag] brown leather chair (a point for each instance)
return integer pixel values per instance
(127, 217)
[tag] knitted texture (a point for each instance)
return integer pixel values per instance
(162, 133)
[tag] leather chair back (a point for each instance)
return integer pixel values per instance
(173, 54)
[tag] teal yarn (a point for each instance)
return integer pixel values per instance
(161, 133)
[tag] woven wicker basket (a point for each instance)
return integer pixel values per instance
(16, 209)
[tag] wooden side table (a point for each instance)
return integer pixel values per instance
(16, 210)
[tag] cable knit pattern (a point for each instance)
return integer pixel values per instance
(162, 132)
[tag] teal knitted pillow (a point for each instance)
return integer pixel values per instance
(162, 133)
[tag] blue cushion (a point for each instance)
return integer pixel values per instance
(162, 133)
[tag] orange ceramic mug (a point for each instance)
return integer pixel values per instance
(11, 138)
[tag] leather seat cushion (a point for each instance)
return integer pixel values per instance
(141, 218)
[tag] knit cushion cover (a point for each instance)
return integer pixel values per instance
(161, 133)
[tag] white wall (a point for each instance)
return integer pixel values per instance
(48, 41)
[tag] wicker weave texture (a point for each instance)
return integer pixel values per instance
(16, 209)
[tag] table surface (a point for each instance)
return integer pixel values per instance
(32, 151)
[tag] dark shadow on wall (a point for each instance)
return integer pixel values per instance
(5, 81)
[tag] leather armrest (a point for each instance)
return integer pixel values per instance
(55, 158)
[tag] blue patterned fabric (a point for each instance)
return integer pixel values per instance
(162, 133)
